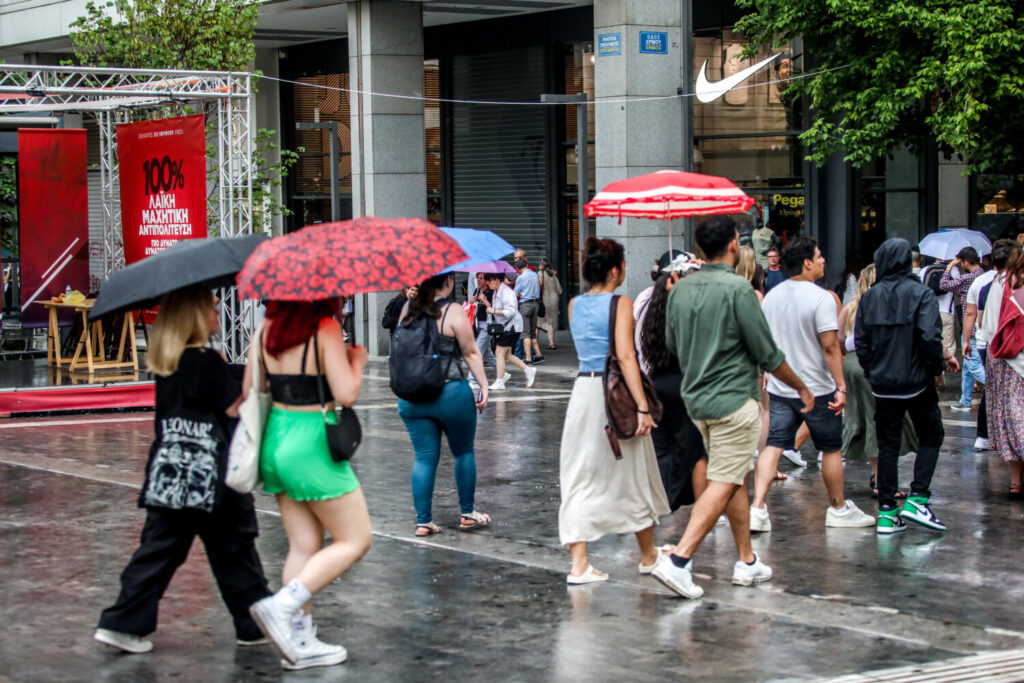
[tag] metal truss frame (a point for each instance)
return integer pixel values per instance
(118, 96)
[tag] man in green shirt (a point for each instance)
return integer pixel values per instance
(717, 331)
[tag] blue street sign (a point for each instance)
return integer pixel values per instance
(609, 44)
(654, 42)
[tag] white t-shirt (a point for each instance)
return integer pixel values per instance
(945, 300)
(797, 312)
(972, 298)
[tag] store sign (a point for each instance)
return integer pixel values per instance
(707, 91)
(609, 44)
(53, 205)
(654, 42)
(163, 183)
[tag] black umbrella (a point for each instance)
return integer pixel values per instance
(213, 262)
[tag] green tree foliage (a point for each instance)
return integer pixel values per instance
(905, 72)
(197, 35)
(204, 35)
(8, 204)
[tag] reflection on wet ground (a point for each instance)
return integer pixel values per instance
(494, 604)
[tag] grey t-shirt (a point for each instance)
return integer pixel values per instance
(797, 312)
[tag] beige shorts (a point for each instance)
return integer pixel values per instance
(730, 442)
(948, 335)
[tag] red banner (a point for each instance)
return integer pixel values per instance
(53, 204)
(163, 183)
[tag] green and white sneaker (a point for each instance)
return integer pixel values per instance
(889, 522)
(916, 509)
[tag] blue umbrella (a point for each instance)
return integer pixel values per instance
(482, 246)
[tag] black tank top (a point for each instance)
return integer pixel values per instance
(297, 390)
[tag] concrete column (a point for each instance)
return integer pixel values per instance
(268, 116)
(954, 194)
(389, 179)
(639, 137)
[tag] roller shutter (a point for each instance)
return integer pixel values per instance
(499, 153)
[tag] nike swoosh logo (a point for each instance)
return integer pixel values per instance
(709, 92)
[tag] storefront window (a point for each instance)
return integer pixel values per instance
(888, 199)
(311, 176)
(432, 138)
(999, 203)
(748, 134)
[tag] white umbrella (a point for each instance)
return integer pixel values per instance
(979, 240)
(945, 244)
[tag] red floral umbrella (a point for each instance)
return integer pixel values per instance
(669, 194)
(351, 257)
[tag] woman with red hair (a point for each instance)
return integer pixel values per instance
(301, 346)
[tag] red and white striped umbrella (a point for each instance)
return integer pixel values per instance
(667, 195)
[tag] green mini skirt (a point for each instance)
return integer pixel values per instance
(295, 459)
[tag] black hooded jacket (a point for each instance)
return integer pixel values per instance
(898, 329)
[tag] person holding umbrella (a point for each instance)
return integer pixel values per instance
(303, 276)
(191, 377)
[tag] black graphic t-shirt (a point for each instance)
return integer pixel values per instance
(204, 383)
(178, 474)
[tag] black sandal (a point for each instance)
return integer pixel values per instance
(901, 494)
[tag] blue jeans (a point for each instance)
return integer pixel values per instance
(454, 413)
(973, 370)
(483, 342)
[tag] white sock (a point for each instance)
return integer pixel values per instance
(293, 596)
(842, 509)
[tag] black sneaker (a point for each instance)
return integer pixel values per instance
(538, 359)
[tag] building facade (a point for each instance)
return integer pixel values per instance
(487, 154)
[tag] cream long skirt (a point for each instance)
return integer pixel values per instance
(602, 495)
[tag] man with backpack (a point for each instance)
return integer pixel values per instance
(931, 275)
(969, 265)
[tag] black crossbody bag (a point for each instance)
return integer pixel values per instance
(344, 436)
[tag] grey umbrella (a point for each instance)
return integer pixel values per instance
(213, 262)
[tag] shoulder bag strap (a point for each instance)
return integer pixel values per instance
(319, 375)
(612, 310)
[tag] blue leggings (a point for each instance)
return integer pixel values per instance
(454, 413)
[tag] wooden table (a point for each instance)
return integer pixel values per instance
(91, 341)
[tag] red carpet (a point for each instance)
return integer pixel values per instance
(83, 398)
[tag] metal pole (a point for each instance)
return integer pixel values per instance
(335, 192)
(686, 31)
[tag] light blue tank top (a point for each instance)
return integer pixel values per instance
(589, 328)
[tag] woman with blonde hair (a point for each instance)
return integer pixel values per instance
(303, 352)
(184, 495)
(859, 439)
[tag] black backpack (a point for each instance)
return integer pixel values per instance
(933, 277)
(418, 372)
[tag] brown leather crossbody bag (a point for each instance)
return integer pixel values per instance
(619, 405)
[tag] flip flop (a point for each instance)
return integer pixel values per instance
(428, 529)
(589, 576)
(780, 476)
(552, 347)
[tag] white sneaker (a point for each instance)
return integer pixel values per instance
(129, 642)
(981, 444)
(744, 574)
(794, 457)
(531, 375)
(507, 377)
(678, 579)
(276, 624)
(821, 454)
(759, 520)
(497, 385)
(473, 384)
(849, 517)
(313, 652)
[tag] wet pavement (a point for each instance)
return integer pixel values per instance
(493, 604)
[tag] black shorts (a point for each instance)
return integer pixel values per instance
(508, 338)
(785, 418)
